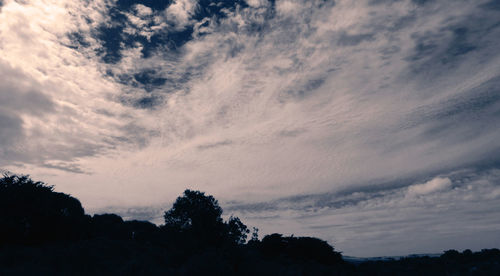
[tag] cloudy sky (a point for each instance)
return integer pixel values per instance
(374, 124)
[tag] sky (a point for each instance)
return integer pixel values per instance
(371, 124)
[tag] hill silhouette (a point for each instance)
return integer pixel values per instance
(43, 232)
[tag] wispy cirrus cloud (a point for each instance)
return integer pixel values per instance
(52, 90)
(419, 217)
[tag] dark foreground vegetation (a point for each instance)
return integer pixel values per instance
(43, 232)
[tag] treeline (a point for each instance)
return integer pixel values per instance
(451, 262)
(43, 232)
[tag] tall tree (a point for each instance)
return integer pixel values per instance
(199, 217)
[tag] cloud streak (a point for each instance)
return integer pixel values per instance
(421, 217)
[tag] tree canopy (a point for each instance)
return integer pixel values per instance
(200, 216)
(31, 212)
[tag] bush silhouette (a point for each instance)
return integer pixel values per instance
(109, 226)
(142, 230)
(300, 249)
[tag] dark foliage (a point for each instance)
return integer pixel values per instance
(31, 212)
(301, 249)
(43, 232)
(109, 226)
(452, 262)
(236, 231)
(197, 217)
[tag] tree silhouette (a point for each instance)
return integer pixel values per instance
(194, 211)
(43, 232)
(31, 212)
(236, 230)
(198, 216)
